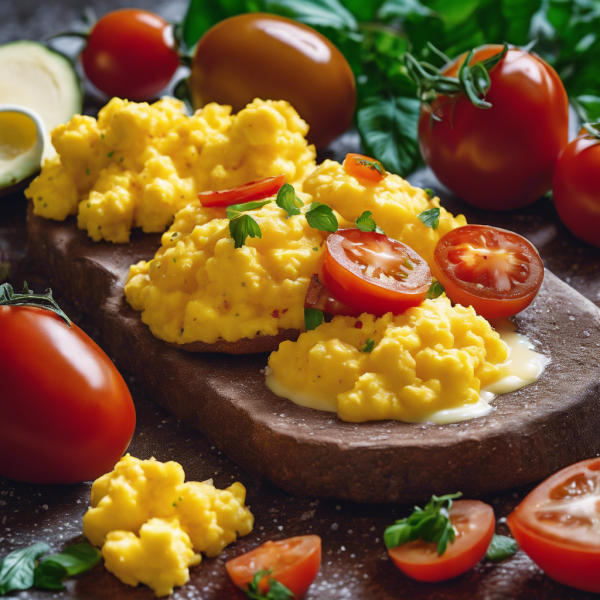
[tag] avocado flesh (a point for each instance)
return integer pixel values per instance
(19, 152)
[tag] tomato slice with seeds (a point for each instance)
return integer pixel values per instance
(558, 525)
(497, 272)
(294, 562)
(320, 298)
(372, 273)
(255, 190)
(367, 170)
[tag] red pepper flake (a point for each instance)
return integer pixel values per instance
(275, 314)
(284, 311)
(358, 324)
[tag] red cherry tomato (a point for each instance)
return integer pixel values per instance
(577, 187)
(474, 522)
(372, 273)
(497, 272)
(367, 170)
(67, 415)
(320, 298)
(294, 562)
(255, 190)
(558, 525)
(131, 54)
(502, 157)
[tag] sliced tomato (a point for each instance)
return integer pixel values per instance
(320, 298)
(367, 170)
(497, 272)
(474, 523)
(255, 190)
(294, 562)
(558, 525)
(372, 273)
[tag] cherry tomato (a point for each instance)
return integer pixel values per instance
(255, 190)
(320, 298)
(295, 563)
(372, 273)
(474, 523)
(577, 187)
(367, 170)
(502, 157)
(67, 415)
(497, 272)
(257, 55)
(131, 54)
(558, 525)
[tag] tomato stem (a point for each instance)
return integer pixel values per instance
(28, 298)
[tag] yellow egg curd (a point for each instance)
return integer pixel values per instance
(152, 526)
(138, 164)
(406, 367)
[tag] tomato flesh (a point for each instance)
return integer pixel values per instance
(67, 414)
(372, 273)
(496, 271)
(558, 525)
(255, 190)
(320, 298)
(474, 522)
(295, 563)
(365, 169)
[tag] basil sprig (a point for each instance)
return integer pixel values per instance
(287, 199)
(242, 226)
(430, 217)
(365, 223)
(436, 289)
(312, 318)
(501, 547)
(8, 297)
(321, 217)
(369, 345)
(277, 591)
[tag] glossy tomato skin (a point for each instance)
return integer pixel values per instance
(503, 157)
(131, 54)
(576, 188)
(257, 55)
(357, 165)
(254, 190)
(569, 560)
(475, 523)
(67, 414)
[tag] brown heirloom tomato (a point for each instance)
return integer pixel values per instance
(264, 56)
(502, 157)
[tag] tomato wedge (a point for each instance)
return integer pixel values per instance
(294, 562)
(474, 522)
(558, 525)
(320, 298)
(372, 273)
(367, 170)
(497, 272)
(255, 190)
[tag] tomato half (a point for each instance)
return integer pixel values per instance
(295, 563)
(576, 187)
(367, 170)
(497, 272)
(255, 190)
(131, 54)
(372, 273)
(558, 525)
(67, 414)
(502, 157)
(474, 522)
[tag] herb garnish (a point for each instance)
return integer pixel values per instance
(369, 345)
(321, 217)
(242, 226)
(430, 193)
(312, 318)
(501, 548)
(374, 165)
(277, 591)
(430, 217)
(365, 223)
(436, 289)
(287, 199)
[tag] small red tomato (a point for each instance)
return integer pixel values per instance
(497, 272)
(67, 414)
(576, 187)
(255, 190)
(131, 54)
(294, 563)
(372, 273)
(558, 525)
(474, 522)
(367, 171)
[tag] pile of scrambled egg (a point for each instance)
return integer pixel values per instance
(138, 164)
(152, 526)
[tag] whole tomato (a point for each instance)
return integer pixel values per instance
(66, 414)
(577, 187)
(131, 54)
(257, 55)
(502, 157)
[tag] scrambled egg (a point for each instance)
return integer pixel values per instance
(138, 164)
(432, 357)
(152, 526)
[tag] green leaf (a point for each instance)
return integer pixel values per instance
(316, 13)
(501, 548)
(321, 217)
(287, 199)
(16, 568)
(49, 575)
(435, 291)
(312, 318)
(235, 210)
(430, 217)
(77, 559)
(369, 345)
(277, 591)
(430, 193)
(242, 228)
(588, 107)
(365, 223)
(402, 10)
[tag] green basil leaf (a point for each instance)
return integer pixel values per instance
(77, 559)
(49, 575)
(235, 210)
(316, 13)
(16, 568)
(430, 217)
(321, 217)
(430, 193)
(369, 345)
(243, 227)
(501, 548)
(365, 223)
(403, 10)
(588, 107)
(435, 291)
(287, 199)
(278, 591)
(312, 318)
